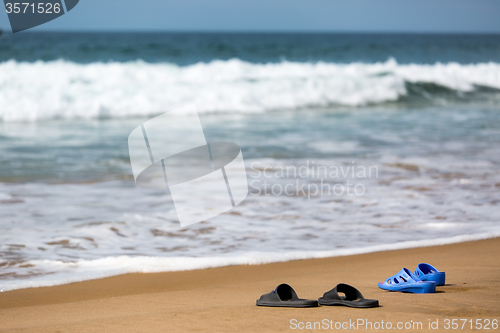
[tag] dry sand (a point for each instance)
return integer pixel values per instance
(223, 299)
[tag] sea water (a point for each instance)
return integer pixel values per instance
(353, 143)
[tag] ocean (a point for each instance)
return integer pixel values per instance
(353, 143)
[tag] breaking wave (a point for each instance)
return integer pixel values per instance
(66, 90)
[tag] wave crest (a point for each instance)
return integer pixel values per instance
(61, 89)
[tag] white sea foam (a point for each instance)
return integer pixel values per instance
(82, 270)
(61, 89)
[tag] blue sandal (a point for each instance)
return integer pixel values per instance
(426, 272)
(406, 282)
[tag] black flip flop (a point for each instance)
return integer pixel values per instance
(352, 298)
(285, 296)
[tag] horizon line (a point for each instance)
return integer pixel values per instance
(241, 31)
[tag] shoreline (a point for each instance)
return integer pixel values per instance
(223, 299)
(154, 264)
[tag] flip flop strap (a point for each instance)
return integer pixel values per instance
(350, 292)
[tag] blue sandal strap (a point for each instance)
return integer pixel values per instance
(404, 276)
(427, 272)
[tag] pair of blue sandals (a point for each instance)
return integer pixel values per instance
(423, 281)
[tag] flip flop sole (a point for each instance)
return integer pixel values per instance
(368, 304)
(289, 304)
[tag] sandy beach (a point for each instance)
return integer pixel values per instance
(223, 299)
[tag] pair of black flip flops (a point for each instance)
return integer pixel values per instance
(285, 296)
